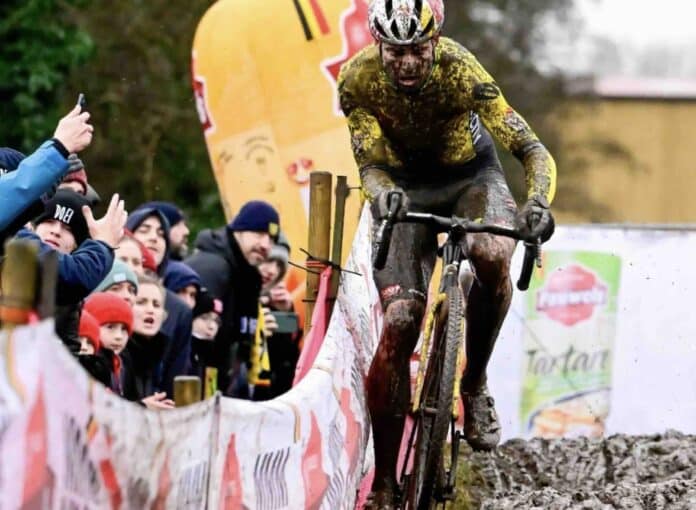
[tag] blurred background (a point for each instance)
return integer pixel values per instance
(609, 86)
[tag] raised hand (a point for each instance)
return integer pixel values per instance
(108, 229)
(73, 130)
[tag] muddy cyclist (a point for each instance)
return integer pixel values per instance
(421, 111)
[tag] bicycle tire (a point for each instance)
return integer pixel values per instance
(427, 473)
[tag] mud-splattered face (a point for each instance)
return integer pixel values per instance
(408, 66)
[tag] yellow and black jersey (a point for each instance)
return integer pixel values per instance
(441, 122)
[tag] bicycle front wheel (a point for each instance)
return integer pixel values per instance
(435, 415)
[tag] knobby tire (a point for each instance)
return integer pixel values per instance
(427, 474)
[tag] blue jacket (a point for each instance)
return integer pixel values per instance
(35, 175)
(80, 272)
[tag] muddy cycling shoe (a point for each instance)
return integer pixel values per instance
(481, 425)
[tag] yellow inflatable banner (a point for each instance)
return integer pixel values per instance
(264, 74)
(264, 77)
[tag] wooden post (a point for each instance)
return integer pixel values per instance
(342, 191)
(48, 279)
(18, 284)
(187, 390)
(319, 233)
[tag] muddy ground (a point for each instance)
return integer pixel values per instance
(625, 472)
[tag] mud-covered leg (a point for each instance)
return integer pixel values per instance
(402, 285)
(488, 198)
(388, 390)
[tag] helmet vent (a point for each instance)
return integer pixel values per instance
(388, 7)
(395, 29)
(412, 29)
(381, 30)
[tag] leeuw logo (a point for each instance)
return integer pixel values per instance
(571, 295)
(355, 35)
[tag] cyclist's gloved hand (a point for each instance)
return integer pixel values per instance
(381, 202)
(535, 220)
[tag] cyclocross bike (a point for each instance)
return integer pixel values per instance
(435, 401)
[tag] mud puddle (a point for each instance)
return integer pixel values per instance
(623, 472)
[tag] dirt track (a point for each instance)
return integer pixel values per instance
(625, 472)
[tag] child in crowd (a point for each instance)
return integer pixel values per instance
(207, 317)
(130, 252)
(115, 319)
(146, 348)
(121, 281)
(89, 356)
(182, 281)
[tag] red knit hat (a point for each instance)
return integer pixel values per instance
(107, 308)
(76, 173)
(89, 328)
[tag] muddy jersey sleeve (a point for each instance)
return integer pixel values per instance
(371, 149)
(513, 132)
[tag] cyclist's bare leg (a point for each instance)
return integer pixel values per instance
(402, 285)
(489, 301)
(388, 386)
(489, 198)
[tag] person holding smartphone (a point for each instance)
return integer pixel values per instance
(281, 321)
(26, 183)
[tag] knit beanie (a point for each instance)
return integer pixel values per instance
(205, 303)
(120, 272)
(178, 276)
(256, 216)
(173, 214)
(76, 172)
(66, 207)
(108, 308)
(9, 160)
(89, 328)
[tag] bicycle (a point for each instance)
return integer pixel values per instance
(434, 408)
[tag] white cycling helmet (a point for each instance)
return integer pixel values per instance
(405, 21)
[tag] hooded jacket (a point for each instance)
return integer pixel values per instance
(227, 275)
(177, 326)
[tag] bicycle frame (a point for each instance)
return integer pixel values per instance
(453, 253)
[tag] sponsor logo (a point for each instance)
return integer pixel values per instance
(514, 121)
(475, 127)
(571, 295)
(486, 91)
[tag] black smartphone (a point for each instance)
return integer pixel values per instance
(82, 102)
(287, 322)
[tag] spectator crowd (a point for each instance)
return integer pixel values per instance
(134, 305)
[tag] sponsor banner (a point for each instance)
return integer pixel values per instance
(271, 117)
(602, 342)
(308, 448)
(67, 442)
(566, 384)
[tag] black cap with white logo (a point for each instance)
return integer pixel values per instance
(66, 207)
